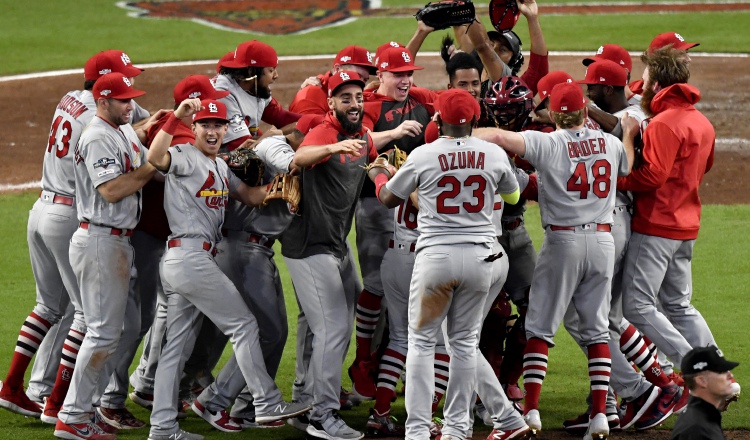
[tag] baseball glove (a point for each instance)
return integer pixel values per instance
(445, 14)
(284, 187)
(246, 165)
(504, 14)
(390, 161)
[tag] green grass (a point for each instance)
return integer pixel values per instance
(721, 270)
(48, 35)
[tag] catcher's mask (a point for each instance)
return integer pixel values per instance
(509, 102)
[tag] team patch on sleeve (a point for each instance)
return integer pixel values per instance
(105, 172)
(104, 162)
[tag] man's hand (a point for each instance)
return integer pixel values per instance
(630, 126)
(347, 146)
(408, 128)
(311, 81)
(249, 143)
(529, 8)
(188, 107)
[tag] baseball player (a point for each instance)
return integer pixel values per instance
(647, 406)
(199, 184)
(396, 114)
(247, 259)
(248, 78)
(149, 240)
(110, 171)
(315, 247)
(451, 276)
(313, 98)
(577, 168)
(678, 148)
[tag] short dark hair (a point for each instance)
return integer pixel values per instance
(241, 73)
(690, 380)
(461, 61)
(89, 84)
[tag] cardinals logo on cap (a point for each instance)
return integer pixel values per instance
(406, 57)
(127, 81)
(213, 108)
(600, 51)
(369, 56)
(344, 76)
(679, 37)
(125, 58)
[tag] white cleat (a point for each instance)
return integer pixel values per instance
(534, 421)
(598, 428)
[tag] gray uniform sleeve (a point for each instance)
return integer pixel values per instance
(182, 162)
(537, 147)
(103, 162)
(275, 153)
(406, 179)
(622, 156)
(237, 126)
(139, 113)
(508, 183)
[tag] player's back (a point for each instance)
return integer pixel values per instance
(457, 179)
(577, 174)
(73, 113)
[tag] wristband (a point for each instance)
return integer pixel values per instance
(380, 180)
(170, 127)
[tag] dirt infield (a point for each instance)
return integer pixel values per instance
(721, 80)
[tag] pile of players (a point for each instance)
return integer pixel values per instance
(141, 234)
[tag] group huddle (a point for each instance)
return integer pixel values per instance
(142, 234)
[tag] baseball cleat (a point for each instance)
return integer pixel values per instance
(681, 405)
(15, 400)
(518, 434)
(534, 421)
(49, 415)
(513, 392)
(598, 428)
(142, 399)
(332, 428)
(362, 375)
(119, 418)
(81, 431)
(283, 410)
(250, 423)
(300, 422)
(383, 426)
(218, 419)
(661, 409)
(179, 435)
(632, 411)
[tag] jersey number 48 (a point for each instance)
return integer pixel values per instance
(601, 171)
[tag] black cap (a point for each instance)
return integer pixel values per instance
(702, 359)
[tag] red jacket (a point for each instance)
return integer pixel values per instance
(678, 150)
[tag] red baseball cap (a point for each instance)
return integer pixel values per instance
(605, 72)
(212, 109)
(566, 98)
(253, 54)
(109, 61)
(668, 38)
(547, 82)
(196, 86)
(385, 46)
(396, 59)
(115, 85)
(228, 57)
(614, 53)
(307, 122)
(457, 107)
(355, 56)
(338, 79)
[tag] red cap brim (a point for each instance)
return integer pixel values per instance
(404, 69)
(130, 94)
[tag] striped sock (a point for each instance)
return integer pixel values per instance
(391, 365)
(634, 347)
(442, 362)
(600, 368)
(534, 370)
(33, 331)
(368, 313)
(67, 365)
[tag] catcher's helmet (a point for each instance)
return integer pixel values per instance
(509, 102)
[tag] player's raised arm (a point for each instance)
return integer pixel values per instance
(630, 128)
(158, 154)
(310, 155)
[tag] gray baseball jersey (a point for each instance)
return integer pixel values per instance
(455, 176)
(243, 110)
(103, 153)
(634, 110)
(209, 181)
(591, 159)
(72, 115)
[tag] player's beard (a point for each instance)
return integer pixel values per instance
(349, 126)
(646, 98)
(263, 92)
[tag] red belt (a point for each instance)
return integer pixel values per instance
(600, 227)
(176, 242)
(512, 225)
(392, 244)
(62, 200)
(252, 238)
(113, 231)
